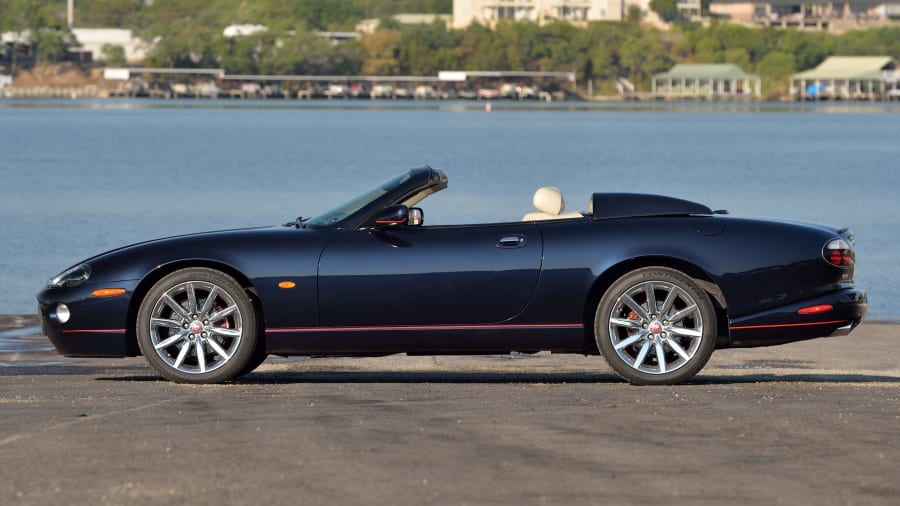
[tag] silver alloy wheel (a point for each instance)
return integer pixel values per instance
(195, 327)
(655, 327)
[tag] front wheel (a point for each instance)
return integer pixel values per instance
(655, 326)
(197, 325)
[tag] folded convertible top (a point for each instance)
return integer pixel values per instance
(607, 206)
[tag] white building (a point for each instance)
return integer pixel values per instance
(370, 25)
(488, 12)
(93, 40)
(232, 31)
(690, 9)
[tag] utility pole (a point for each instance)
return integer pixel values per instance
(70, 13)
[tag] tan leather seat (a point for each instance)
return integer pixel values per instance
(548, 200)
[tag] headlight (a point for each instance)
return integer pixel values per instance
(71, 277)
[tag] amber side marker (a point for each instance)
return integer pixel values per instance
(108, 292)
(287, 284)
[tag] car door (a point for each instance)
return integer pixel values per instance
(429, 275)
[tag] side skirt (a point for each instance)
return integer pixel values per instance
(426, 339)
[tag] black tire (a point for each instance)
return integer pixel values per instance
(681, 325)
(258, 358)
(197, 325)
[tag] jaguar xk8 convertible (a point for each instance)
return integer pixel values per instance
(654, 284)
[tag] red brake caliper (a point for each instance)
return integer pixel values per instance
(634, 317)
(225, 324)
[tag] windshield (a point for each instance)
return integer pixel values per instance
(344, 210)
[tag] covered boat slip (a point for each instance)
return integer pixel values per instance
(849, 78)
(706, 81)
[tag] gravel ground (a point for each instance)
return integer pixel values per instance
(807, 423)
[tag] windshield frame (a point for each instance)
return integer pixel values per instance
(337, 215)
(361, 210)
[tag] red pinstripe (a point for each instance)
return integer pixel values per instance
(746, 327)
(433, 327)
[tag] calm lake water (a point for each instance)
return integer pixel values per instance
(81, 177)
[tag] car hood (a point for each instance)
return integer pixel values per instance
(227, 247)
(163, 241)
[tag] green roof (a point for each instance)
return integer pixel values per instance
(705, 71)
(850, 67)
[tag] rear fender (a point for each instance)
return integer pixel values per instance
(699, 275)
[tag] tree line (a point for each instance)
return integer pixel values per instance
(189, 33)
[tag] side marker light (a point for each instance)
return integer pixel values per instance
(287, 284)
(822, 308)
(108, 292)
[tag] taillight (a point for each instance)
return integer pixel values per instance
(838, 252)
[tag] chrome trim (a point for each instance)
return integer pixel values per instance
(511, 241)
(842, 331)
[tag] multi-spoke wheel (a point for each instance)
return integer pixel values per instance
(655, 326)
(197, 326)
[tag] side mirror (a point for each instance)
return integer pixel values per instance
(392, 216)
(416, 217)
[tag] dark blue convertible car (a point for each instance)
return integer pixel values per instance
(652, 283)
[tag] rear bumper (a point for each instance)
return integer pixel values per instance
(786, 324)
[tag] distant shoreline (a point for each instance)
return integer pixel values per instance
(451, 105)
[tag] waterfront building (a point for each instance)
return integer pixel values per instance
(488, 12)
(706, 80)
(370, 25)
(92, 40)
(834, 15)
(16, 46)
(690, 9)
(849, 78)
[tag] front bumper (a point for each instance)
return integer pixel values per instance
(785, 324)
(97, 326)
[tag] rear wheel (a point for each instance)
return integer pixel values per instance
(197, 325)
(655, 326)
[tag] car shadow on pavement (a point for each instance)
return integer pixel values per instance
(463, 377)
(143, 373)
(813, 377)
(272, 378)
(59, 369)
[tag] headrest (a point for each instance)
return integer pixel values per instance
(548, 199)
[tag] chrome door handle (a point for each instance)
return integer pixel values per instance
(511, 241)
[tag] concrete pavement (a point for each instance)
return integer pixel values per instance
(807, 423)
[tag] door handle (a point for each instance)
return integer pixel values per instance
(511, 241)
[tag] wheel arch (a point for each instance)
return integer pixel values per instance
(131, 345)
(616, 271)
